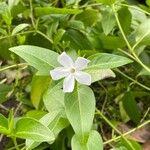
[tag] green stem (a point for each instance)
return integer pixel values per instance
(13, 148)
(45, 36)
(31, 14)
(8, 36)
(127, 133)
(15, 143)
(13, 66)
(138, 83)
(127, 42)
(113, 127)
(135, 7)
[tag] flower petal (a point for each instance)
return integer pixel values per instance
(83, 77)
(59, 73)
(81, 63)
(68, 84)
(65, 60)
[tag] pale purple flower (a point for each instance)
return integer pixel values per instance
(71, 71)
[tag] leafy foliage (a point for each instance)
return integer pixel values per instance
(114, 35)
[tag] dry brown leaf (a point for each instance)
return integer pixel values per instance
(146, 146)
(141, 135)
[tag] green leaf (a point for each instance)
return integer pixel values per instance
(111, 42)
(144, 72)
(54, 97)
(29, 128)
(107, 61)
(19, 28)
(94, 142)
(46, 120)
(106, 2)
(108, 20)
(2, 31)
(119, 148)
(36, 114)
(125, 18)
(131, 107)
(4, 90)
(127, 144)
(5, 12)
(80, 108)
(58, 124)
(40, 58)
(148, 2)
(38, 87)
(94, 16)
(124, 116)
(77, 39)
(3, 124)
(40, 11)
(143, 33)
(55, 122)
(11, 121)
(100, 74)
(12, 3)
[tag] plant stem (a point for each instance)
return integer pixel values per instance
(135, 7)
(45, 36)
(127, 133)
(127, 42)
(15, 143)
(13, 66)
(138, 83)
(13, 148)
(113, 127)
(8, 36)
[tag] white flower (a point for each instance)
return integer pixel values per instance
(71, 71)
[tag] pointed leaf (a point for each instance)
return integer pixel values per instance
(19, 28)
(54, 98)
(100, 74)
(131, 107)
(40, 58)
(38, 87)
(107, 61)
(94, 142)
(3, 124)
(29, 128)
(80, 108)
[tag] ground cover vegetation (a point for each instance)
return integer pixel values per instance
(74, 75)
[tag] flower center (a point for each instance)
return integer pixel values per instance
(72, 70)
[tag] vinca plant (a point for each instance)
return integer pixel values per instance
(74, 74)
